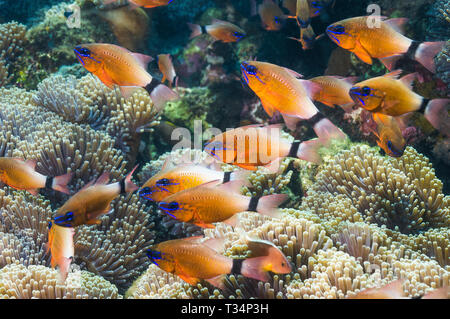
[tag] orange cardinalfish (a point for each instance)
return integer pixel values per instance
(60, 244)
(334, 90)
(385, 41)
(393, 290)
(92, 201)
(194, 259)
(219, 30)
(215, 202)
(389, 135)
(281, 89)
(173, 180)
(271, 15)
(113, 64)
(165, 65)
(143, 3)
(254, 145)
(21, 175)
(307, 38)
(394, 97)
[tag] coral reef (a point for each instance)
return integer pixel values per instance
(12, 41)
(21, 282)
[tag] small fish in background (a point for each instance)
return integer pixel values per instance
(215, 202)
(165, 65)
(291, 6)
(394, 97)
(142, 3)
(115, 65)
(171, 180)
(252, 146)
(307, 38)
(393, 290)
(194, 259)
(92, 201)
(385, 42)
(60, 245)
(218, 29)
(129, 26)
(302, 15)
(389, 135)
(272, 17)
(334, 90)
(281, 89)
(21, 175)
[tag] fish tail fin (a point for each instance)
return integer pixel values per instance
(268, 205)
(309, 150)
(196, 30)
(175, 81)
(64, 267)
(161, 94)
(327, 131)
(436, 113)
(426, 52)
(129, 185)
(391, 61)
(255, 268)
(60, 183)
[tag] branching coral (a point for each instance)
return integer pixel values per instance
(442, 61)
(21, 282)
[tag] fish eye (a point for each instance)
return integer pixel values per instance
(49, 225)
(173, 206)
(239, 35)
(277, 19)
(83, 51)
(337, 29)
(251, 69)
(163, 182)
(366, 91)
(153, 254)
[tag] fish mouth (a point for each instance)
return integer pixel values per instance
(331, 31)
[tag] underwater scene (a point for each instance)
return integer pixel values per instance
(224, 149)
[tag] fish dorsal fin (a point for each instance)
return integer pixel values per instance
(216, 244)
(393, 75)
(194, 239)
(398, 24)
(408, 79)
(232, 186)
(143, 59)
(218, 21)
(350, 79)
(311, 87)
(103, 179)
(88, 185)
(294, 73)
(31, 163)
(168, 165)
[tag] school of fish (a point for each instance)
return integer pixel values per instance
(205, 195)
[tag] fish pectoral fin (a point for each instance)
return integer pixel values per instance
(362, 53)
(190, 280)
(217, 281)
(33, 192)
(93, 222)
(268, 107)
(105, 78)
